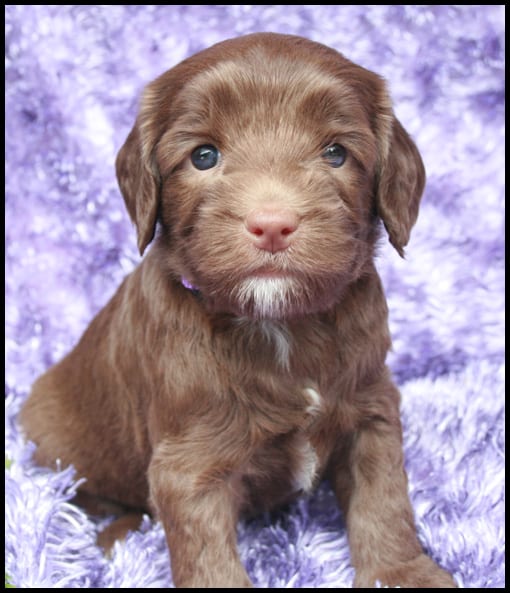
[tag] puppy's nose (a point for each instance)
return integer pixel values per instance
(271, 229)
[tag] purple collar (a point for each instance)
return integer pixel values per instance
(189, 286)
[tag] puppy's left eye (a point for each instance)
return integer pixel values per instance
(335, 154)
(205, 157)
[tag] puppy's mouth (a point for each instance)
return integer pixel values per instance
(276, 287)
(269, 273)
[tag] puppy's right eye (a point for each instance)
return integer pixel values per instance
(205, 157)
(335, 155)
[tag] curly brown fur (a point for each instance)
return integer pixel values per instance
(202, 406)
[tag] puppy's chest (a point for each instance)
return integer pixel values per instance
(289, 463)
(289, 408)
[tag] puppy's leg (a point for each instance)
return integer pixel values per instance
(371, 484)
(198, 504)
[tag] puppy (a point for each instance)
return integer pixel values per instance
(244, 359)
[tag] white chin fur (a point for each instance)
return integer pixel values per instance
(268, 298)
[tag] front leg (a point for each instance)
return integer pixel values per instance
(369, 479)
(197, 499)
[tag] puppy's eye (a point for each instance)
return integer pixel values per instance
(205, 157)
(335, 155)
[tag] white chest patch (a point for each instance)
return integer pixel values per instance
(270, 334)
(307, 462)
(307, 465)
(277, 334)
(315, 401)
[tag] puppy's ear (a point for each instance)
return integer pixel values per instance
(139, 180)
(400, 181)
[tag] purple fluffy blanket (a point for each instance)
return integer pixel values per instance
(73, 76)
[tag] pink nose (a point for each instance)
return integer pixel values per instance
(271, 229)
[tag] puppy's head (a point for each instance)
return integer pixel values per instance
(268, 161)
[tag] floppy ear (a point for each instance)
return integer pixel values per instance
(139, 179)
(399, 182)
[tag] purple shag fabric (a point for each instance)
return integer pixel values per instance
(73, 76)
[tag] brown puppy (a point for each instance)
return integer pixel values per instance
(244, 359)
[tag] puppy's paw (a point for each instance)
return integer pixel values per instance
(419, 573)
(118, 530)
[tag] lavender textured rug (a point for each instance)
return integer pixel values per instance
(73, 77)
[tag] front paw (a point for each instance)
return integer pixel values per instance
(419, 573)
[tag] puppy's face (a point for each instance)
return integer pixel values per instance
(267, 165)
